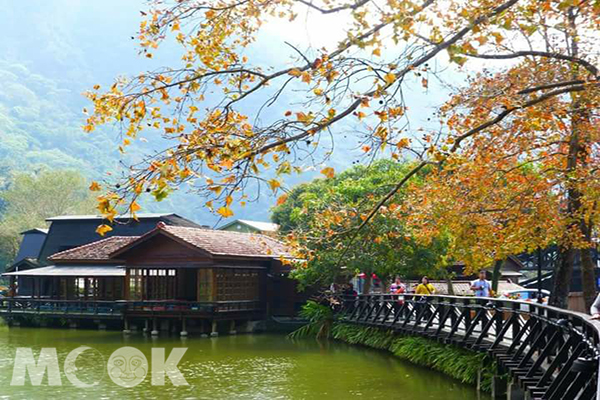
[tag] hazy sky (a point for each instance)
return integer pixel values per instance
(80, 43)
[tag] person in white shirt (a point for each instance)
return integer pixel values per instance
(397, 287)
(481, 286)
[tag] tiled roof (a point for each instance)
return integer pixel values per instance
(227, 243)
(99, 250)
(217, 243)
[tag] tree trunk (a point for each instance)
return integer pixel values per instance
(576, 158)
(496, 275)
(450, 285)
(563, 272)
(588, 273)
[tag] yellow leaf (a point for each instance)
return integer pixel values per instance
(295, 72)
(328, 172)
(318, 91)
(227, 163)
(102, 229)
(306, 77)
(390, 78)
(404, 142)
(377, 52)
(228, 200)
(282, 199)
(225, 212)
(134, 207)
(274, 184)
(305, 118)
(216, 189)
(95, 186)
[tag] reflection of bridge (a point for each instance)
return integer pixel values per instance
(550, 353)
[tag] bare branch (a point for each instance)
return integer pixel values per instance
(587, 65)
(354, 6)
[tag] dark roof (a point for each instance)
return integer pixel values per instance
(70, 231)
(217, 243)
(100, 217)
(26, 262)
(35, 230)
(99, 250)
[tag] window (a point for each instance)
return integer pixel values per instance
(237, 284)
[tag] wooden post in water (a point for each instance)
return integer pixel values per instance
(126, 327)
(154, 327)
(183, 328)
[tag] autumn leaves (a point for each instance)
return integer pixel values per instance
(510, 148)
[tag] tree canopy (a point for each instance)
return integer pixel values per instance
(532, 103)
(30, 199)
(315, 215)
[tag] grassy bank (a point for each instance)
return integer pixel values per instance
(453, 361)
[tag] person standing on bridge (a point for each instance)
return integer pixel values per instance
(397, 287)
(425, 287)
(481, 286)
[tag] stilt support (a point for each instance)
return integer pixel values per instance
(214, 332)
(154, 327)
(126, 329)
(183, 328)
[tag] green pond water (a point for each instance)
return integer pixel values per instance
(265, 366)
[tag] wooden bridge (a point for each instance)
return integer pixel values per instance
(548, 352)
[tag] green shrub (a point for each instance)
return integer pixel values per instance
(320, 320)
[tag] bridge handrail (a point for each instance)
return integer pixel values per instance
(553, 352)
(120, 306)
(585, 318)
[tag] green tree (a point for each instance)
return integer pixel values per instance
(29, 199)
(319, 216)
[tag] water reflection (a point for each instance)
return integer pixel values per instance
(244, 367)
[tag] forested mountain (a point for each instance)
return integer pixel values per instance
(53, 51)
(50, 53)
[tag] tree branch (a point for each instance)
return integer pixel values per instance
(587, 65)
(354, 6)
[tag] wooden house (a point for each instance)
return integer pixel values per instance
(171, 272)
